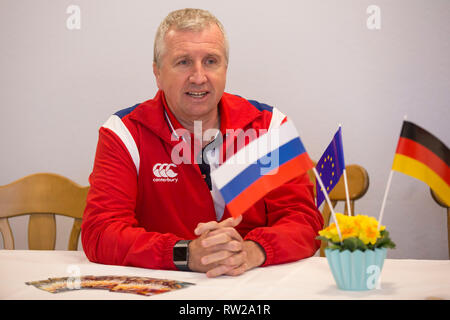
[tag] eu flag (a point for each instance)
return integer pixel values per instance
(330, 166)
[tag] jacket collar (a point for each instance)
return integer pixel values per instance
(235, 113)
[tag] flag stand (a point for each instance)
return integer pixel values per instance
(345, 182)
(328, 201)
(388, 186)
(346, 192)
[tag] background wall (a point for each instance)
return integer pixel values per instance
(315, 60)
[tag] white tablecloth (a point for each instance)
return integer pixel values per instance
(306, 279)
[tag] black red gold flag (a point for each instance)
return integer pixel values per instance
(423, 156)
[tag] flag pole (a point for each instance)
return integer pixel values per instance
(346, 183)
(347, 194)
(328, 201)
(388, 186)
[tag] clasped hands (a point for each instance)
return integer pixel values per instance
(220, 249)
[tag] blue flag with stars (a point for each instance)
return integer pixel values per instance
(330, 166)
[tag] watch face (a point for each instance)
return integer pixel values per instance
(180, 254)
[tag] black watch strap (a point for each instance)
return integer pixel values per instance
(181, 255)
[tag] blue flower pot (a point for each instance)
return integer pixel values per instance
(357, 270)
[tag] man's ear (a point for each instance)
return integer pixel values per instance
(156, 73)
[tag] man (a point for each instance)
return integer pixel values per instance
(147, 210)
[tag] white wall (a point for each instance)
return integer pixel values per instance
(315, 60)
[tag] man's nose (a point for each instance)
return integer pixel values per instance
(198, 75)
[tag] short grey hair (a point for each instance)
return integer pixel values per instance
(187, 20)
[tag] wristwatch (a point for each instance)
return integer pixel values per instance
(181, 255)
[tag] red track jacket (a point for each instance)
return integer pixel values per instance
(135, 215)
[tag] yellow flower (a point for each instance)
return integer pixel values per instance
(369, 234)
(348, 231)
(360, 226)
(330, 232)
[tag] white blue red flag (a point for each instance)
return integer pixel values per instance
(261, 166)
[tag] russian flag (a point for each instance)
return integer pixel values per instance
(260, 167)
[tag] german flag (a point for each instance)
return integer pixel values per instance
(421, 155)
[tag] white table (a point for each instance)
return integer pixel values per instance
(306, 279)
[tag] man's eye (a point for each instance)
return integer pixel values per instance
(211, 61)
(182, 62)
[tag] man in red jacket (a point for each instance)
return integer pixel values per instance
(152, 203)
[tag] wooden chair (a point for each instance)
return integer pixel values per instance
(440, 202)
(41, 196)
(358, 184)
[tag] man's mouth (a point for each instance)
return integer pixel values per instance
(195, 94)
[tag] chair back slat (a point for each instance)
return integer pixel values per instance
(42, 231)
(5, 230)
(74, 234)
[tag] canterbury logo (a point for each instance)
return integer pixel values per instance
(164, 172)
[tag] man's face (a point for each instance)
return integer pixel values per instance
(192, 72)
